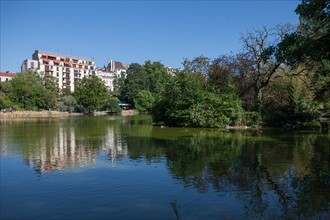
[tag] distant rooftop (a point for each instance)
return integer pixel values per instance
(64, 55)
(6, 74)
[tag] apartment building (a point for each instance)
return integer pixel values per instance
(28, 65)
(114, 70)
(117, 68)
(6, 76)
(107, 77)
(67, 69)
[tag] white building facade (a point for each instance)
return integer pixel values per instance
(113, 71)
(6, 76)
(68, 70)
(29, 65)
(107, 77)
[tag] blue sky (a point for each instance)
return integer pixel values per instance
(133, 31)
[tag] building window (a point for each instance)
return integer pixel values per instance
(32, 65)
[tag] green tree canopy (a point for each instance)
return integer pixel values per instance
(136, 80)
(152, 77)
(31, 92)
(91, 93)
(187, 102)
(311, 41)
(67, 103)
(144, 101)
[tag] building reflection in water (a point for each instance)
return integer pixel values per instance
(114, 146)
(64, 150)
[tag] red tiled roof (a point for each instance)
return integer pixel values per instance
(7, 74)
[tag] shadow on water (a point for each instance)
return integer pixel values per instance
(273, 174)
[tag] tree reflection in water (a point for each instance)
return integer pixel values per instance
(273, 175)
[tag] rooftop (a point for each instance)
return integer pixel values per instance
(63, 55)
(6, 74)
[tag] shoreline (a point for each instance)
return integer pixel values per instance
(36, 114)
(53, 114)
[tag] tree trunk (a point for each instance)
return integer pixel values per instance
(257, 101)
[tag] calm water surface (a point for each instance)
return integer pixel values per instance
(125, 168)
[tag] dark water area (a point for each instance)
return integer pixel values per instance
(113, 167)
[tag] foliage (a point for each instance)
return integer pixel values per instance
(322, 81)
(91, 93)
(260, 49)
(111, 104)
(199, 64)
(221, 75)
(187, 102)
(67, 103)
(311, 40)
(144, 101)
(119, 84)
(157, 77)
(5, 102)
(31, 92)
(290, 98)
(152, 77)
(136, 80)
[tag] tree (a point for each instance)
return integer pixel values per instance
(309, 45)
(30, 92)
(290, 98)
(260, 47)
(311, 41)
(5, 102)
(111, 104)
(144, 101)
(199, 64)
(91, 93)
(136, 80)
(152, 77)
(221, 75)
(68, 103)
(157, 77)
(187, 102)
(119, 84)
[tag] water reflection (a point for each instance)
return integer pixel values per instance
(273, 175)
(49, 145)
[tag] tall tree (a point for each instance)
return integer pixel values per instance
(91, 93)
(221, 75)
(260, 47)
(311, 41)
(310, 44)
(157, 77)
(136, 80)
(199, 64)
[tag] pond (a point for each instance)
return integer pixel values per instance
(114, 167)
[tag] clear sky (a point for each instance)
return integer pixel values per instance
(133, 31)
